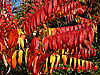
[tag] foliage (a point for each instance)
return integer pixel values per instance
(49, 37)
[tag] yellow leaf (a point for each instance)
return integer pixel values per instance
(52, 63)
(19, 31)
(14, 62)
(83, 65)
(49, 30)
(51, 58)
(26, 56)
(70, 63)
(1, 48)
(19, 41)
(58, 59)
(62, 51)
(20, 57)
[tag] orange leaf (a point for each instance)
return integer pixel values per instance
(22, 38)
(64, 58)
(14, 62)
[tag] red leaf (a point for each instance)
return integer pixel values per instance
(83, 65)
(80, 10)
(92, 34)
(26, 24)
(82, 35)
(50, 8)
(91, 65)
(75, 27)
(53, 31)
(79, 26)
(46, 8)
(30, 60)
(38, 18)
(59, 41)
(32, 28)
(83, 25)
(86, 52)
(87, 65)
(35, 65)
(83, 54)
(75, 56)
(59, 30)
(66, 12)
(71, 28)
(46, 43)
(9, 61)
(12, 16)
(10, 39)
(13, 38)
(42, 14)
(87, 43)
(63, 29)
(23, 24)
(69, 7)
(50, 42)
(54, 43)
(80, 51)
(67, 29)
(68, 18)
(35, 21)
(64, 38)
(71, 39)
(94, 52)
(29, 27)
(76, 34)
(60, 2)
(34, 44)
(72, 6)
(55, 5)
